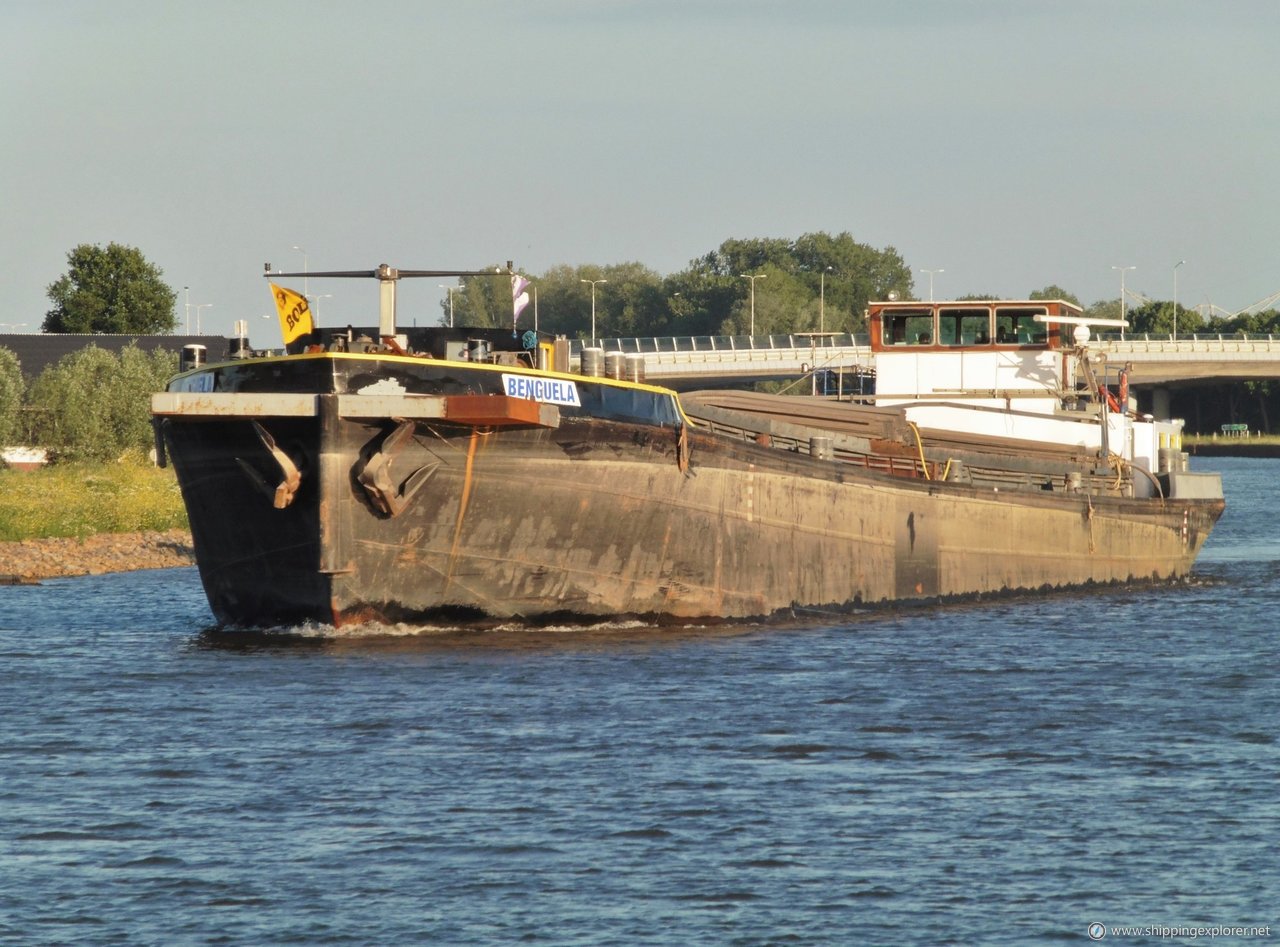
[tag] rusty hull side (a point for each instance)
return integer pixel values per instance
(596, 519)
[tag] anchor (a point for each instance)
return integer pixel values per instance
(375, 475)
(290, 477)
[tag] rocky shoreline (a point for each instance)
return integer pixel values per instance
(31, 560)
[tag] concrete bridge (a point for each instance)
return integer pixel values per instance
(1157, 361)
(1200, 359)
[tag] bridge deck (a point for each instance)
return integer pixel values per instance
(1155, 360)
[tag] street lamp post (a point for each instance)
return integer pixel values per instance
(1123, 310)
(451, 290)
(187, 291)
(593, 303)
(1175, 298)
(753, 279)
(304, 269)
(315, 310)
(931, 272)
(197, 309)
(822, 299)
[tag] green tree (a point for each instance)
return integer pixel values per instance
(700, 298)
(630, 301)
(1104, 309)
(838, 274)
(1054, 291)
(736, 256)
(817, 280)
(1156, 318)
(844, 275)
(1145, 319)
(1262, 322)
(1263, 391)
(11, 389)
(93, 405)
(110, 290)
(782, 305)
(481, 301)
(564, 304)
(141, 374)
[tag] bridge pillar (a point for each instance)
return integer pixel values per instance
(1161, 403)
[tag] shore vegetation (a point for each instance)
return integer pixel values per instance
(81, 498)
(93, 405)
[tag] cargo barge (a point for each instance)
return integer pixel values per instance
(389, 476)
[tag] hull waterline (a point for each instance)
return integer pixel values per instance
(599, 519)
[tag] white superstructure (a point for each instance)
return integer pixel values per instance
(1013, 369)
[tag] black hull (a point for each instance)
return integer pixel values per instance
(605, 517)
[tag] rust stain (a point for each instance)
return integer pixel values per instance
(462, 505)
(492, 410)
(666, 568)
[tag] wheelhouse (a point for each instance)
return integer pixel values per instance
(1010, 354)
(985, 324)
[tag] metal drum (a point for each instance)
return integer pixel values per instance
(633, 367)
(193, 356)
(593, 362)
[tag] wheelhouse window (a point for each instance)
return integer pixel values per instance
(908, 327)
(1016, 325)
(966, 326)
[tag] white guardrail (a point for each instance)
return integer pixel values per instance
(801, 353)
(709, 356)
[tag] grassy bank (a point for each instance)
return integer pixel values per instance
(81, 499)
(1272, 440)
(1256, 445)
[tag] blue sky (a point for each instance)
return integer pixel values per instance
(1011, 144)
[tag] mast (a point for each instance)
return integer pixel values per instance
(387, 277)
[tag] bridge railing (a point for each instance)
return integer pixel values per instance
(759, 347)
(1193, 342)
(729, 345)
(670, 356)
(803, 340)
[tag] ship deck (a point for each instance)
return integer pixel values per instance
(882, 437)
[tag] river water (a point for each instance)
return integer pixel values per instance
(1003, 773)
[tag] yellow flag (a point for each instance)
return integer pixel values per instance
(295, 314)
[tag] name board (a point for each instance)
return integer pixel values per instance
(548, 390)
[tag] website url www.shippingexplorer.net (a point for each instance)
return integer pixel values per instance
(1184, 932)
